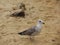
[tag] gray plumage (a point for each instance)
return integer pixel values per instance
(33, 30)
(29, 31)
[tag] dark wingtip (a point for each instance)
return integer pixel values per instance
(20, 33)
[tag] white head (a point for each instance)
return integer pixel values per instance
(40, 22)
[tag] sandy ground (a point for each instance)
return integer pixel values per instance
(47, 10)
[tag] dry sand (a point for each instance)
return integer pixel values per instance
(47, 10)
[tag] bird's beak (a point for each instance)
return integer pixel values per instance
(43, 23)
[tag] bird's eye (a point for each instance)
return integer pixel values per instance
(39, 21)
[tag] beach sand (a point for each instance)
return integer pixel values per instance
(47, 10)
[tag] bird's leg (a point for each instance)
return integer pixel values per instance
(31, 38)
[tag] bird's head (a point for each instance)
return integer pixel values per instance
(41, 21)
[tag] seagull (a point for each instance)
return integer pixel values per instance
(34, 30)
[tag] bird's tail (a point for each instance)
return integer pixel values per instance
(21, 33)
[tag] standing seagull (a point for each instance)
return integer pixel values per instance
(33, 30)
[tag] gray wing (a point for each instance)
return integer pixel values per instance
(29, 31)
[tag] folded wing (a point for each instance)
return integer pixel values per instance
(29, 31)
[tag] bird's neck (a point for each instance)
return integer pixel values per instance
(39, 26)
